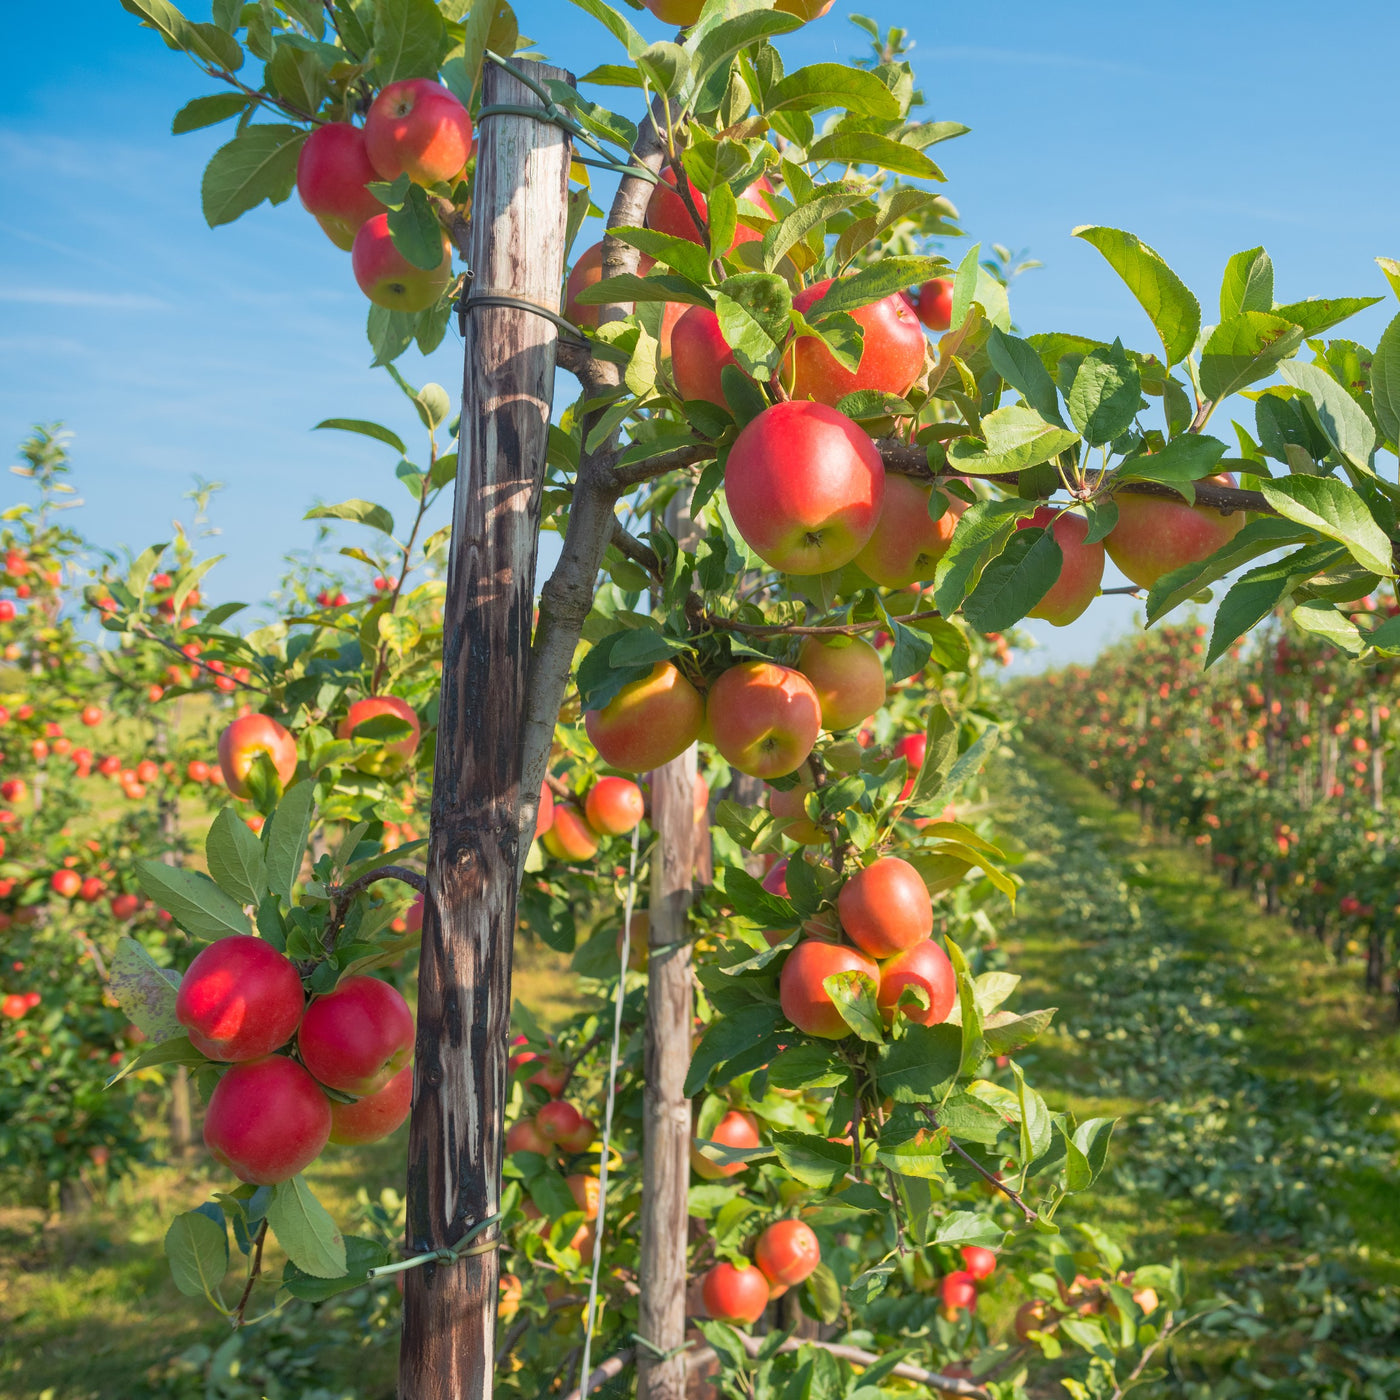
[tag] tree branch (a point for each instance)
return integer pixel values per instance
(639, 553)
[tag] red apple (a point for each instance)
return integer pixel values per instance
(124, 905)
(735, 1293)
(1153, 535)
(376, 1115)
(648, 722)
(790, 807)
(544, 813)
(240, 999)
(1081, 571)
(892, 353)
(699, 354)
(241, 743)
(417, 127)
(848, 676)
(935, 305)
(981, 1263)
(557, 1119)
(357, 1037)
(764, 718)
(333, 169)
(805, 485)
(525, 1137)
(570, 837)
(588, 272)
(805, 1001)
(885, 908)
(387, 278)
(91, 715)
(906, 545)
(788, 1252)
(267, 1120)
(958, 1291)
(613, 806)
(578, 1139)
(393, 754)
(735, 1129)
(927, 967)
(66, 883)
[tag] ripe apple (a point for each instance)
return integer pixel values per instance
(648, 722)
(333, 169)
(677, 12)
(66, 883)
(892, 353)
(584, 1189)
(241, 743)
(570, 837)
(927, 967)
(848, 676)
(544, 813)
(735, 1129)
(197, 771)
(805, 10)
(699, 354)
(387, 278)
(912, 748)
(357, 1037)
(557, 1119)
(91, 715)
(735, 1293)
(804, 999)
(267, 1120)
(1153, 535)
(764, 718)
(885, 908)
(613, 806)
(588, 272)
(981, 1263)
(790, 807)
(958, 1291)
(1081, 571)
(394, 754)
(124, 905)
(906, 545)
(935, 306)
(376, 1115)
(788, 1252)
(7, 610)
(525, 1137)
(580, 1138)
(775, 881)
(805, 485)
(417, 126)
(667, 211)
(240, 999)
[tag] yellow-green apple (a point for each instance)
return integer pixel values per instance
(892, 353)
(333, 169)
(848, 676)
(240, 999)
(387, 278)
(789, 807)
(735, 1292)
(247, 737)
(885, 908)
(906, 545)
(267, 1120)
(935, 306)
(805, 485)
(613, 806)
(764, 718)
(393, 755)
(788, 1252)
(376, 1115)
(570, 837)
(804, 998)
(805, 10)
(699, 354)
(1153, 535)
(357, 1037)
(927, 967)
(416, 127)
(1081, 569)
(648, 722)
(735, 1129)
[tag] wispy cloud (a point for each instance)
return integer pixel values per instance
(82, 296)
(1028, 59)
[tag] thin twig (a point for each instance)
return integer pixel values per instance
(254, 1269)
(988, 1177)
(384, 872)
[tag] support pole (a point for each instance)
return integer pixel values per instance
(459, 1093)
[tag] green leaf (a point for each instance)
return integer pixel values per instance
(621, 30)
(1020, 365)
(1245, 348)
(197, 1247)
(921, 1061)
(964, 1227)
(1092, 1137)
(866, 148)
(656, 286)
(415, 230)
(940, 752)
(305, 1230)
(714, 41)
(1014, 581)
(1385, 382)
(1323, 619)
(854, 996)
(807, 1067)
(296, 75)
(812, 1160)
(177, 1050)
(289, 829)
(205, 41)
(409, 38)
(1248, 284)
(724, 1038)
(1256, 594)
(680, 254)
(789, 231)
(1183, 460)
(964, 287)
(980, 530)
(361, 512)
(1015, 437)
(361, 1255)
(1334, 510)
(1170, 307)
(390, 333)
(1342, 419)
(755, 315)
(1322, 313)
(235, 858)
(193, 900)
(822, 85)
(1104, 398)
(260, 163)
(1005, 1033)
(145, 991)
(665, 65)
(874, 283)
(200, 112)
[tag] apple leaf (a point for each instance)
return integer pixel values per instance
(144, 990)
(305, 1230)
(193, 900)
(196, 1246)
(1168, 301)
(260, 163)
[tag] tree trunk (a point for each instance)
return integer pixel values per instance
(459, 1092)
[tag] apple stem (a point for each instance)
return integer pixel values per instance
(254, 1269)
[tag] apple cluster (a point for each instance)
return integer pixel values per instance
(784, 1255)
(299, 1076)
(612, 806)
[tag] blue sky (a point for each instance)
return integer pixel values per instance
(172, 350)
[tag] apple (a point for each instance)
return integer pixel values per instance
(333, 169)
(92, 889)
(927, 967)
(788, 1252)
(885, 908)
(805, 10)
(906, 545)
(512, 1294)
(935, 305)
(267, 1120)
(66, 883)
(7, 610)
(805, 485)
(958, 1290)
(241, 743)
(678, 12)
(579, 1138)
(699, 353)
(912, 748)
(544, 813)
(764, 718)
(848, 676)
(735, 1293)
(197, 771)
(735, 1129)
(240, 999)
(124, 905)
(393, 754)
(790, 807)
(892, 353)
(805, 1001)
(91, 716)
(1081, 571)
(570, 837)
(588, 272)
(14, 790)
(1153, 535)
(613, 806)
(667, 211)
(357, 1037)
(981, 1263)
(525, 1137)
(557, 1119)
(417, 127)
(552, 1076)
(376, 1115)
(387, 278)
(584, 1189)
(775, 881)
(648, 722)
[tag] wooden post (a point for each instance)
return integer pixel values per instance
(459, 1093)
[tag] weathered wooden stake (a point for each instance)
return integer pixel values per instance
(459, 1093)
